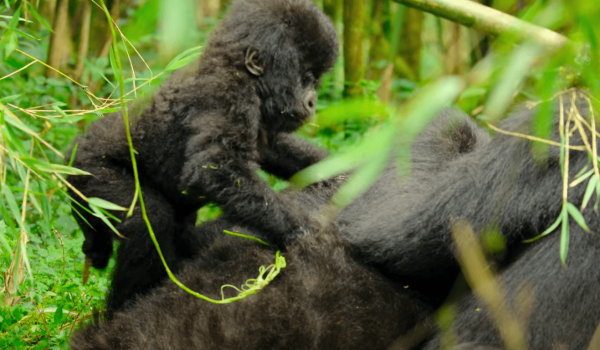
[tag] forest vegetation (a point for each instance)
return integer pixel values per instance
(62, 68)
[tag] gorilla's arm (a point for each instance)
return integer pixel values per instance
(499, 185)
(225, 173)
(288, 154)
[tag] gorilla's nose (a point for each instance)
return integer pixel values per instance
(310, 102)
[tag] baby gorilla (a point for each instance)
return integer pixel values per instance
(206, 135)
(323, 299)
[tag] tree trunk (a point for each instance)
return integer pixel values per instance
(454, 55)
(49, 10)
(410, 45)
(379, 51)
(60, 42)
(84, 39)
(354, 61)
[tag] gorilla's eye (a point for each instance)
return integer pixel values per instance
(308, 79)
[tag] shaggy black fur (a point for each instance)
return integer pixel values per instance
(376, 213)
(208, 133)
(324, 299)
(500, 184)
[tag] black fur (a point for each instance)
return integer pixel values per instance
(208, 133)
(324, 299)
(502, 185)
(376, 213)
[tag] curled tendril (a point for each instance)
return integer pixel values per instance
(255, 285)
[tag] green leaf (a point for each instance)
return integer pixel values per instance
(27, 35)
(99, 214)
(349, 109)
(597, 196)
(361, 180)
(183, 62)
(3, 241)
(418, 112)
(576, 215)
(12, 203)
(561, 156)
(10, 44)
(58, 315)
(39, 18)
(550, 229)
(104, 204)
(372, 144)
(8, 220)
(581, 178)
(73, 152)
(583, 170)
(14, 20)
(43, 166)
(518, 67)
(10, 98)
(59, 111)
(564, 239)
(113, 64)
(175, 62)
(235, 234)
(589, 191)
(67, 120)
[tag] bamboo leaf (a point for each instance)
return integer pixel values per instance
(361, 180)
(10, 98)
(417, 113)
(39, 18)
(113, 63)
(597, 196)
(348, 110)
(589, 191)
(8, 220)
(581, 178)
(514, 73)
(104, 204)
(564, 238)
(347, 160)
(43, 166)
(99, 214)
(12, 203)
(548, 230)
(576, 215)
(73, 153)
(181, 62)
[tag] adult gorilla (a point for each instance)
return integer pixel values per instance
(499, 185)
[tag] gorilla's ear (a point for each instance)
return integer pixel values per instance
(254, 63)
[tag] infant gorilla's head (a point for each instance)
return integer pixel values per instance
(286, 46)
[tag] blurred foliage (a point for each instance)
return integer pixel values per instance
(404, 84)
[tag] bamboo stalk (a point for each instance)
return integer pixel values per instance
(354, 61)
(84, 40)
(487, 20)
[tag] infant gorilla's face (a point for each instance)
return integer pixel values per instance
(285, 85)
(288, 96)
